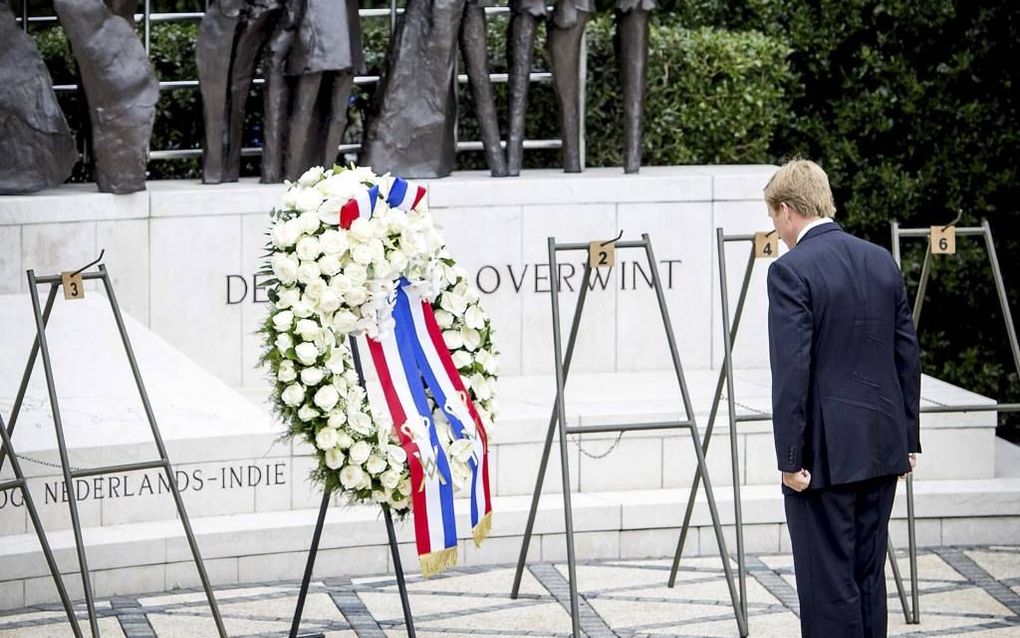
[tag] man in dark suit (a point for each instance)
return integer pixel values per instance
(845, 394)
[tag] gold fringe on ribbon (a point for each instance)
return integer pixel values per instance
(482, 529)
(435, 562)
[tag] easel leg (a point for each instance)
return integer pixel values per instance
(405, 600)
(898, 579)
(313, 551)
(40, 533)
(161, 448)
(693, 428)
(543, 465)
(72, 501)
(568, 517)
(915, 593)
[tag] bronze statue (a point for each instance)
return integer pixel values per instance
(474, 51)
(120, 88)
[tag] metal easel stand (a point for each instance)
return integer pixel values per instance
(984, 231)
(70, 475)
(313, 551)
(20, 483)
(557, 424)
(726, 376)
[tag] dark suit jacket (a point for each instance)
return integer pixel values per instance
(846, 374)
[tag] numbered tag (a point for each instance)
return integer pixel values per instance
(601, 255)
(766, 245)
(74, 288)
(943, 240)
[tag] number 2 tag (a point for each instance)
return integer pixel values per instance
(601, 255)
(766, 245)
(943, 240)
(73, 285)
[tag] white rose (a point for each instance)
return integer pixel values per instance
(306, 413)
(307, 353)
(334, 459)
(284, 342)
(309, 222)
(444, 319)
(453, 303)
(308, 272)
(360, 452)
(340, 384)
(326, 398)
(330, 265)
(312, 377)
(344, 322)
(461, 359)
(330, 301)
(287, 297)
(375, 465)
(390, 479)
(356, 296)
(326, 438)
(362, 254)
(344, 441)
(308, 248)
(343, 185)
(336, 363)
(308, 329)
(361, 230)
(488, 361)
(357, 274)
(284, 267)
(311, 176)
(337, 418)
(450, 275)
(304, 307)
(360, 422)
(474, 318)
(398, 504)
(283, 321)
(472, 339)
(293, 395)
(454, 339)
(286, 234)
(398, 261)
(397, 455)
(287, 372)
(480, 386)
(333, 242)
(461, 449)
(381, 268)
(308, 199)
(314, 289)
(405, 486)
(352, 476)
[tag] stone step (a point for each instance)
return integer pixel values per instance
(154, 556)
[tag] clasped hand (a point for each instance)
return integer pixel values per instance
(800, 480)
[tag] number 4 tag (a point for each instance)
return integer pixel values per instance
(943, 240)
(73, 286)
(766, 245)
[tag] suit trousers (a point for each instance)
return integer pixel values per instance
(840, 535)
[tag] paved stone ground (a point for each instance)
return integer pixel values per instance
(967, 591)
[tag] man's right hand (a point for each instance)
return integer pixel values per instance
(913, 463)
(797, 481)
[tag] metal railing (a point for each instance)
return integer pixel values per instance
(147, 18)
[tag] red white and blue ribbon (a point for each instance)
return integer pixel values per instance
(404, 195)
(393, 357)
(447, 387)
(361, 205)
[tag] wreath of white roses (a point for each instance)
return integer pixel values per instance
(328, 284)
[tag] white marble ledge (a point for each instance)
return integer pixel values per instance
(71, 203)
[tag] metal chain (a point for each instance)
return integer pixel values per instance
(23, 457)
(749, 408)
(616, 443)
(938, 403)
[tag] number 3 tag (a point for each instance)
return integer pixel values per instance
(766, 245)
(73, 286)
(943, 240)
(601, 255)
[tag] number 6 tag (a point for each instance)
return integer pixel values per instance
(943, 240)
(601, 254)
(73, 286)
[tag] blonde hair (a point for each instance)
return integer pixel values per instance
(803, 186)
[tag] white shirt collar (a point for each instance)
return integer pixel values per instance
(817, 222)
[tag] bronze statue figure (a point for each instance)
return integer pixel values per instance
(474, 50)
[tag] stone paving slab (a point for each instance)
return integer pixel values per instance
(965, 591)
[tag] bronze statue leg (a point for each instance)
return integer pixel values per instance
(276, 101)
(632, 61)
(303, 124)
(565, 55)
(520, 49)
(213, 52)
(343, 82)
(473, 49)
